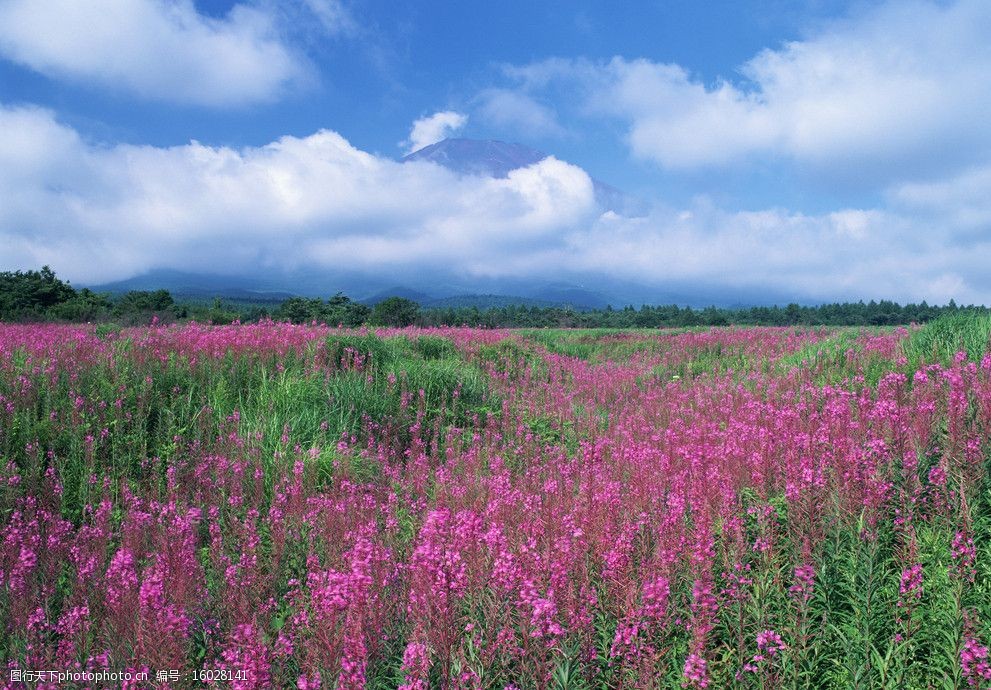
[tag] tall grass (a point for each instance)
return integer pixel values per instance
(940, 340)
(108, 418)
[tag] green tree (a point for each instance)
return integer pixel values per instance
(342, 310)
(139, 306)
(395, 311)
(31, 294)
(86, 305)
(299, 310)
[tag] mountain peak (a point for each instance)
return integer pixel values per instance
(494, 158)
(487, 157)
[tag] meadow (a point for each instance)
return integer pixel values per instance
(278, 505)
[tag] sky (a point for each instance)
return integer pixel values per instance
(817, 151)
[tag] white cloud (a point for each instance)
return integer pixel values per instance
(158, 49)
(849, 254)
(894, 93)
(332, 15)
(961, 199)
(433, 128)
(96, 213)
(518, 113)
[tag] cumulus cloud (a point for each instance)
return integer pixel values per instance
(433, 128)
(895, 92)
(97, 213)
(157, 49)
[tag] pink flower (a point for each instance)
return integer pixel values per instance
(416, 666)
(247, 657)
(769, 642)
(911, 583)
(696, 672)
(805, 576)
(964, 555)
(974, 661)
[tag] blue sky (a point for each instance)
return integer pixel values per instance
(821, 150)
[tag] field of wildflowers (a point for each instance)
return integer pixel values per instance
(297, 506)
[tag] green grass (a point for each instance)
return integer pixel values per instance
(825, 354)
(167, 405)
(940, 340)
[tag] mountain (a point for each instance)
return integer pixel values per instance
(198, 286)
(484, 157)
(428, 290)
(442, 289)
(491, 158)
(573, 295)
(488, 302)
(420, 298)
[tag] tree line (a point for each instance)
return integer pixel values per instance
(42, 296)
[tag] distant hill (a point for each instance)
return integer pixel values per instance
(275, 289)
(196, 286)
(480, 301)
(439, 289)
(574, 296)
(487, 302)
(420, 298)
